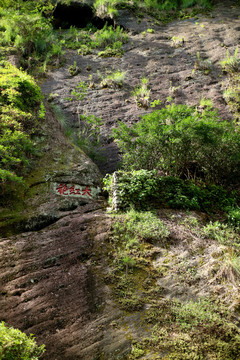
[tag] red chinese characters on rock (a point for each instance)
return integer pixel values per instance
(62, 189)
(74, 190)
(86, 191)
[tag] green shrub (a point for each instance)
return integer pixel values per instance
(114, 50)
(142, 188)
(108, 8)
(31, 34)
(75, 38)
(15, 345)
(17, 88)
(108, 38)
(182, 142)
(222, 233)
(20, 105)
(234, 216)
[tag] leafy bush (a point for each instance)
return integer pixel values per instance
(19, 95)
(234, 216)
(17, 88)
(108, 38)
(182, 142)
(141, 188)
(75, 38)
(15, 345)
(31, 34)
(232, 95)
(115, 50)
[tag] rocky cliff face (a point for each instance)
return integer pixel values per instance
(56, 260)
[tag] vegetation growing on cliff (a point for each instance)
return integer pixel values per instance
(20, 111)
(109, 8)
(182, 142)
(15, 345)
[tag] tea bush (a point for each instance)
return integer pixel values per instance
(142, 188)
(182, 142)
(15, 345)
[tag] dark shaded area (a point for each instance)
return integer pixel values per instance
(76, 14)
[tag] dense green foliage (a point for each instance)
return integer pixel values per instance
(20, 107)
(182, 142)
(142, 188)
(15, 345)
(25, 31)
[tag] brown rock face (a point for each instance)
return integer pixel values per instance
(52, 277)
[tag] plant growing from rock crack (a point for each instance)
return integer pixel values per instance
(150, 31)
(204, 65)
(141, 93)
(232, 63)
(177, 42)
(107, 36)
(74, 69)
(113, 79)
(174, 89)
(205, 105)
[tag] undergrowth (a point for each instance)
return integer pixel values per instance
(192, 330)
(132, 236)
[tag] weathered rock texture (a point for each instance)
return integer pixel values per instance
(168, 69)
(52, 280)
